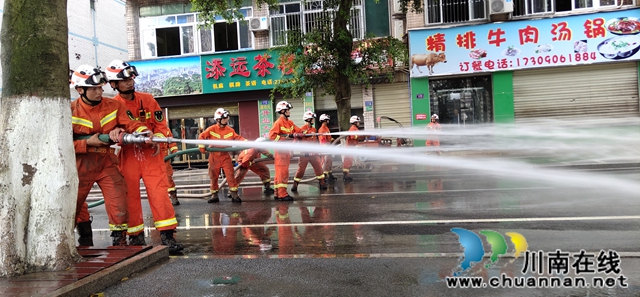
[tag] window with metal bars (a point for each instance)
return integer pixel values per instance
(454, 11)
(533, 7)
(305, 17)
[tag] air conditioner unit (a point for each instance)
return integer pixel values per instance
(500, 6)
(259, 24)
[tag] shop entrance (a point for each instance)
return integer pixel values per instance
(462, 101)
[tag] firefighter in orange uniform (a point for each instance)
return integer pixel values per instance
(246, 157)
(326, 140)
(167, 150)
(144, 161)
(307, 158)
(352, 140)
(92, 114)
(283, 129)
(217, 160)
(435, 127)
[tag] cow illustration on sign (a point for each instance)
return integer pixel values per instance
(428, 60)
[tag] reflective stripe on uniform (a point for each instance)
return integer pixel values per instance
(233, 189)
(214, 191)
(166, 223)
(268, 180)
(230, 134)
(288, 130)
(214, 134)
(297, 179)
(171, 189)
(108, 118)
(142, 128)
(320, 176)
(345, 170)
(276, 186)
(81, 122)
(277, 138)
(121, 227)
(159, 135)
(135, 229)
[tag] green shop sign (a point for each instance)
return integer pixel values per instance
(242, 71)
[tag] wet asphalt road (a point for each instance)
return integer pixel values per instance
(388, 233)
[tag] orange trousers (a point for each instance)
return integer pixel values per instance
(432, 143)
(302, 166)
(140, 163)
(258, 168)
(347, 163)
(101, 168)
(169, 168)
(280, 181)
(327, 164)
(222, 160)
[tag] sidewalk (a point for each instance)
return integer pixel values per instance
(99, 269)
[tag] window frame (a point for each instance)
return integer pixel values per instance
(149, 26)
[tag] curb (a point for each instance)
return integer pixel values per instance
(110, 276)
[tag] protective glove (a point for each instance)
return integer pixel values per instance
(270, 156)
(297, 135)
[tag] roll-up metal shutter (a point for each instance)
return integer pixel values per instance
(327, 102)
(200, 111)
(296, 112)
(609, 89)
(392, 100)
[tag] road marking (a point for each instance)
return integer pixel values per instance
(431, 222)
(413, 222)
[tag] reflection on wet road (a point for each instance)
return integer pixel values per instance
(408, 213)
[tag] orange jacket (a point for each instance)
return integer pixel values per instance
(215, 132)
(102, 118)
(146, 109)
(281, 127)
(435, 127)
(308, 129)
(324, 139)
(247, 156)
(353, 139)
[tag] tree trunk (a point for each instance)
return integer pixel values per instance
(343, 46)
(38, 177)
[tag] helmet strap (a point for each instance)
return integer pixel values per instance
(127, 92)
(86, 100)
(220, 123)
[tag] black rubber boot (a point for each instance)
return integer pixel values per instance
(295, 187)
(119, 238)
(323, 184)
(267, 189)
(173, 195)
(234, 197)
(214, 198)
(347, 178)
(331, 177)
(167, 239)
(137, 239)
(285, 198)
(85, 233)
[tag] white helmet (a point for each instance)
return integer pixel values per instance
(259, 139)
(308, 115)
(119, 70)
(220, 114)
(283, 105)
(324, 117)
(435, 116)
(354, 119)
(88, 76)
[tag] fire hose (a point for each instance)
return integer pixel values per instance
(139, 138)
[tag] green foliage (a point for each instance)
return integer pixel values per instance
(327, 57)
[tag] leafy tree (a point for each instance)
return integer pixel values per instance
(326, 58)
(38, 177)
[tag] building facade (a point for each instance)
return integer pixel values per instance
(509, 61)
(193, 70)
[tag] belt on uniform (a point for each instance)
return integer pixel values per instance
(100, 150)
